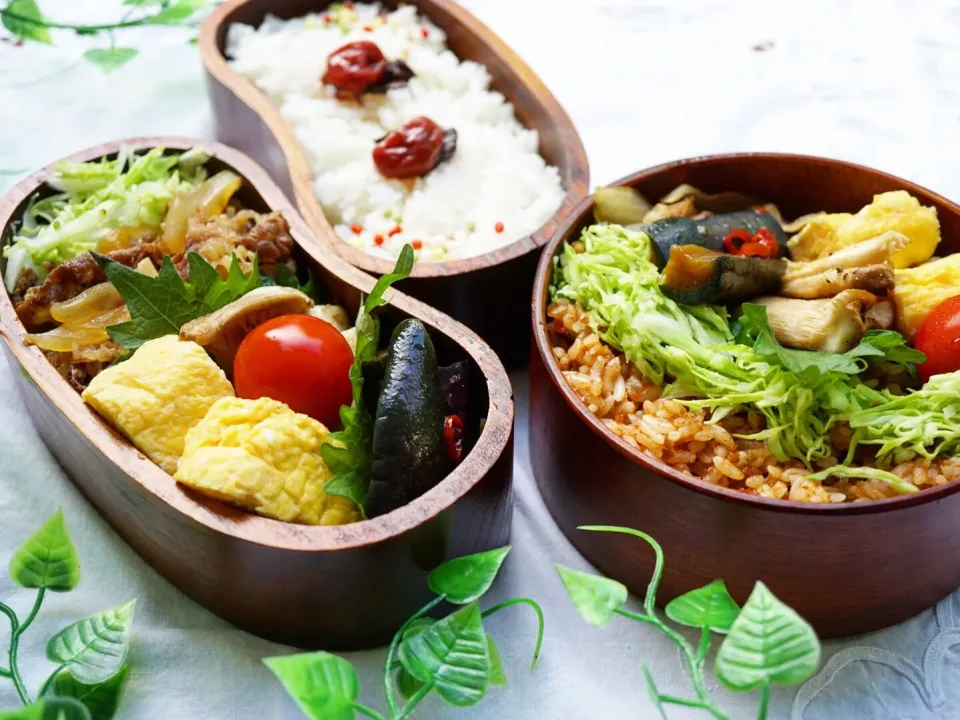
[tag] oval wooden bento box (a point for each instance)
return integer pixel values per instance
(849, 568)
(333, 587)
(488, 293)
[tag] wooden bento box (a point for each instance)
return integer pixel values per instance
(343, 587)
(488, 293)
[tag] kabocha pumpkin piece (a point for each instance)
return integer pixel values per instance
(408, 454)
(711, 232)
(698, 276)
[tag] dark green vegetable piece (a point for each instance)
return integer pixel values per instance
(408, 448)
(709, 232)
(697, 276)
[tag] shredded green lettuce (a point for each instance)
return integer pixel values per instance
(95, 198)
(925, 422)
(895, 481)
(802, 395)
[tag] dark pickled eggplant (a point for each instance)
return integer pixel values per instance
(408, 445)
(710, 232)
(695, 275)
(454, 386)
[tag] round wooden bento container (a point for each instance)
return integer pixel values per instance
(849, 568)
(344, 587)
(488, 293)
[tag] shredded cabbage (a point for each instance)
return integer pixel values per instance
(617, 281)
(924, 422)
(93, 200)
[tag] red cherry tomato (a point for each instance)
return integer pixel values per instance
(301, 361)
(355, 66)
(412, 150)
(939, 339)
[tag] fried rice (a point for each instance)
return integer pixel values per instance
(631, 406)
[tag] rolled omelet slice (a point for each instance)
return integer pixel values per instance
(156, 396)
(262, 456)
(896, 211)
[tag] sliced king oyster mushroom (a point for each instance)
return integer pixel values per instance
(832, 325)
(221, 333)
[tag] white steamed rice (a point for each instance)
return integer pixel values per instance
(496, 175)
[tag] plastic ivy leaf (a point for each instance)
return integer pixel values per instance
(406, 683)
(24, 19)
(95, 648)
(110, 59)
(50, 709)
(452, 656)
(652, 691)
(177, 12)
(497, 676)
(769, 643)
(101, 699)
(323, 685)
(47, 559)
(707, 607)
(595, 597)
(465, 579)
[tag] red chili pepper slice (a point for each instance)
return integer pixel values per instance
(736, 239)
(754, 250)
(453, 436)
(768, 241)
(760, 208)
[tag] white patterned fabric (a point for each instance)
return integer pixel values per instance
(645, 81)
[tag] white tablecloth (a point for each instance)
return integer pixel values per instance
(873, 81)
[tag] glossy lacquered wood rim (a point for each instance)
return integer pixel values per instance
(302, 177)
(542, 344)
(492, 442)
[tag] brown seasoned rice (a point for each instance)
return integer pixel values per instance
(629, 404)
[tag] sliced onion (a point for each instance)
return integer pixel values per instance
(93, 331)
(209, 199)
(88, 304)
(146, 267)
(122, 238)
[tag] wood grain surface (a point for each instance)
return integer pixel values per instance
(488, 293)
(340, 588)
(848, 568)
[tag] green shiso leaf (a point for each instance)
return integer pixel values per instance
(162, 305)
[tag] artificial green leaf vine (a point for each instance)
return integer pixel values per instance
(90, 655)
(453, 657)
(766, 643)
(24, 20)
